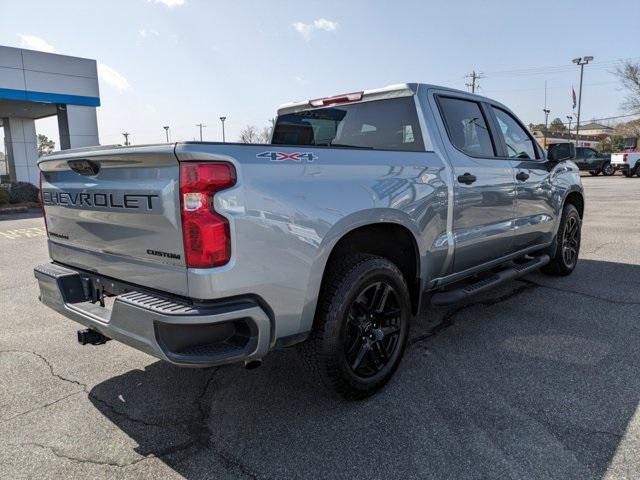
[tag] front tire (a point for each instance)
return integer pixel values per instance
(608, 169)
(565, 258)
(361, 326)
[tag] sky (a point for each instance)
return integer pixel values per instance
(184, 62)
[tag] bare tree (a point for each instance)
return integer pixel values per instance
(265, 136)
(249, 134)
(628, 129)
(628, 73)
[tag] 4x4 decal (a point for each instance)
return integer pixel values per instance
(298, 157)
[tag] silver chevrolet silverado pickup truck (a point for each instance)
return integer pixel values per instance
(204, 254)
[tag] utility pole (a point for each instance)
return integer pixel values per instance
(222, 119)
(581, 62)
(126, 138)
(474, 80)
(166, 131)
(201, 127)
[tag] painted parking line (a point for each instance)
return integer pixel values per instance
(19, 233)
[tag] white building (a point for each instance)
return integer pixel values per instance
(35, 85)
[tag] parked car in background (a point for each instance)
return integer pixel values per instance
(627, 161)
(590, 160)
(204, 254)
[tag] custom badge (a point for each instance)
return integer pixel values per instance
(297, 157)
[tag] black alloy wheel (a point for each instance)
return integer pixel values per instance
(373, 329)
(571, 241)
(361, 326)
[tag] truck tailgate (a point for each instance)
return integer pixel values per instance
(617, 159)
(116, 212)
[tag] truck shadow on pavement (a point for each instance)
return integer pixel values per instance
(539, 379)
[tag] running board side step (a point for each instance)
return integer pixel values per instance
(456, 295)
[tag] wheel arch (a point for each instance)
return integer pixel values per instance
(576, 199)
(392, 241)
(374, 234)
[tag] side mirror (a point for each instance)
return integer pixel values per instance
(558, 152)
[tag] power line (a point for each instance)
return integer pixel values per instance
(474, 80)
(556, 87)
(605, 118)
(553, 69)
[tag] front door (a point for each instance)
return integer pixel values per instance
(484, 185)
(535, 214)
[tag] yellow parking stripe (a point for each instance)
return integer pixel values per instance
(24, 233)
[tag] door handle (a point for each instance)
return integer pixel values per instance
(522, 176)
(467, 178)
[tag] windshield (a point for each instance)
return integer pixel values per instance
(390, 124)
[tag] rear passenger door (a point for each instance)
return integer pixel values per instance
(484, 185)
(535, 214)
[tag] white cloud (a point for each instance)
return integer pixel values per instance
(169, 3)
(112, 77)
(35, 43)
(144, 34)
(148, 32)
(306, 29)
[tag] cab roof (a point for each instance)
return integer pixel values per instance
(390, 91)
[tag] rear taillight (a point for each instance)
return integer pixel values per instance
(41, 198)
(624, 158)
(207, 240)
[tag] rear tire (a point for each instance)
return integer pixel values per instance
(565, 258)
(361, 326)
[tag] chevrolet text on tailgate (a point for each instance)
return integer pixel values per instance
(204, 254)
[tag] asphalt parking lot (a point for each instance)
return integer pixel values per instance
(540, 379)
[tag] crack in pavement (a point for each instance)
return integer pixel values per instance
(41, 407)
(201, 433)
(57, 453)
(85, 389)
(598, 248)
(449, 318)
(197, 426)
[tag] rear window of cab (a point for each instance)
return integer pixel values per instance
(390, 124)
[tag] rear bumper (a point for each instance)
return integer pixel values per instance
(168, 329)
(626, 167)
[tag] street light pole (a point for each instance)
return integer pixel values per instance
(166, 131)
(222, 119)
(581, 62)
(546, 120)
(570, 118)
(201, 127)
(546, 117)
(126, 138)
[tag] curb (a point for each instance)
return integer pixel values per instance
(13, 210)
